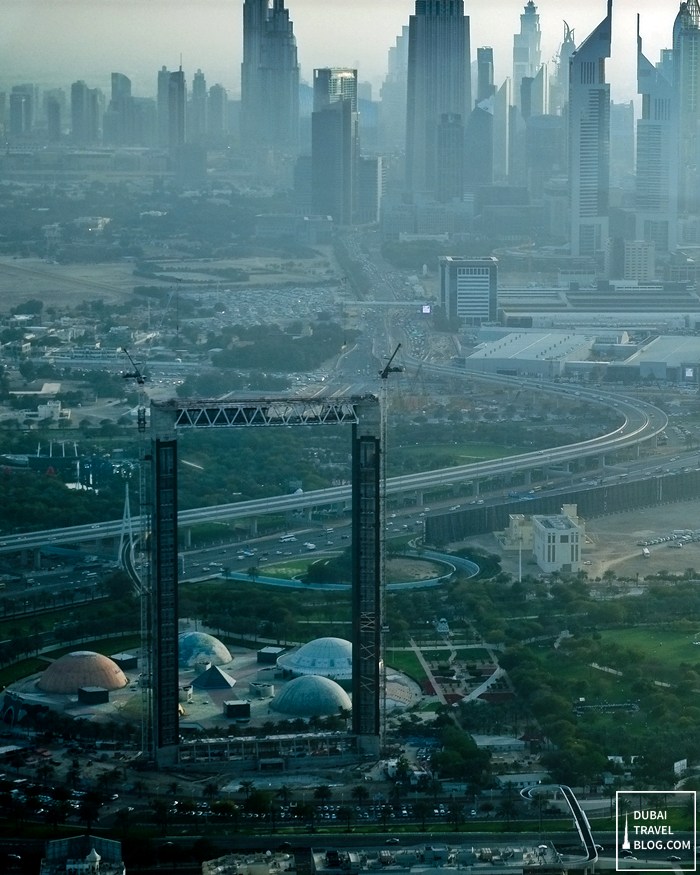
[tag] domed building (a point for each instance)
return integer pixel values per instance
(311, 696)
(80, 669)
(198, 648)
(329, 657)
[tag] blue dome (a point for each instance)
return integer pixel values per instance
(195, 648)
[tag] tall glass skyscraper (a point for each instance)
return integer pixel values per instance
(334, 143)
(657, 156)
(439, 84)
(686, 75)
(589, 141)
(269, 79)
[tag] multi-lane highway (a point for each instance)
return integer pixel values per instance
(640, 422)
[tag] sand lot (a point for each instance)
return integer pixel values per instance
(63, 285)
(611, 542)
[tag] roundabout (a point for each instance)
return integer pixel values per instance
(418, 567)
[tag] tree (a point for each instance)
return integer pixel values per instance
(422, 809)
(246, 788)
(360, 794)
(323, 793)
(345, 813)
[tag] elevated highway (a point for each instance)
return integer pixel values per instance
(640, 422)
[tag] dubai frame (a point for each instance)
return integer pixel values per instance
(364, 413)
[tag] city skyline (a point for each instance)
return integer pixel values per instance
(137, 38)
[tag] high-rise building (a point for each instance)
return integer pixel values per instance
(55, 106)
(449, 183)
(118, 118)
(526, 48)
(439, 83)
(392, 94)
(478, 148)
(469, 288)
(334, 143)
(177, 101)
(559, 85)
(686, 75)
(197, 115)
(502, 132)
(217, 114)
(85, 109)
(534, 93)
(53, 120)
(21, 111)
(162, 100)
(589, 141)
(485, 87)
(656, 191)
(269, 80)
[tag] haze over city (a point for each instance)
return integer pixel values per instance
(350, 433)
(50, 42)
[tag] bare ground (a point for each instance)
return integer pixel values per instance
(611, 543)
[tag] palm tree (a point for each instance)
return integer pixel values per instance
(323, 793)
(246, 787)
(360, 794)
(284, 794)
(210, 790)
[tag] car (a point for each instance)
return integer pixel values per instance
(393, 841)
(673, 858)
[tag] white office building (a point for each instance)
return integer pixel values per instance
(557, 541)
(469, 288)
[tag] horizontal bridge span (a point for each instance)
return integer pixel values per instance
(280, 411)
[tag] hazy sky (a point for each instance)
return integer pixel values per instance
(58, 41)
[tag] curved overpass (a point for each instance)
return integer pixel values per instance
(581, 823)
(641, 422)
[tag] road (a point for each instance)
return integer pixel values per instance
(641, 422)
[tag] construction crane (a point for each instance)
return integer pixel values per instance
(142, 566)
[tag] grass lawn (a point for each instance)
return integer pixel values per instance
(407, 662)
(661, 649)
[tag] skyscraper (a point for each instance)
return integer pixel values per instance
(392, 109)
(22, 106)
(85, 108)
(656, 195)
(439, 83)
(177, 99)
(269, 79)
(526, 48)
(162, 106)
(118, 119)
(559, 86)
(197, 115)
(485, 87)
(334, 143)
(686, 74)
(589, 141)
